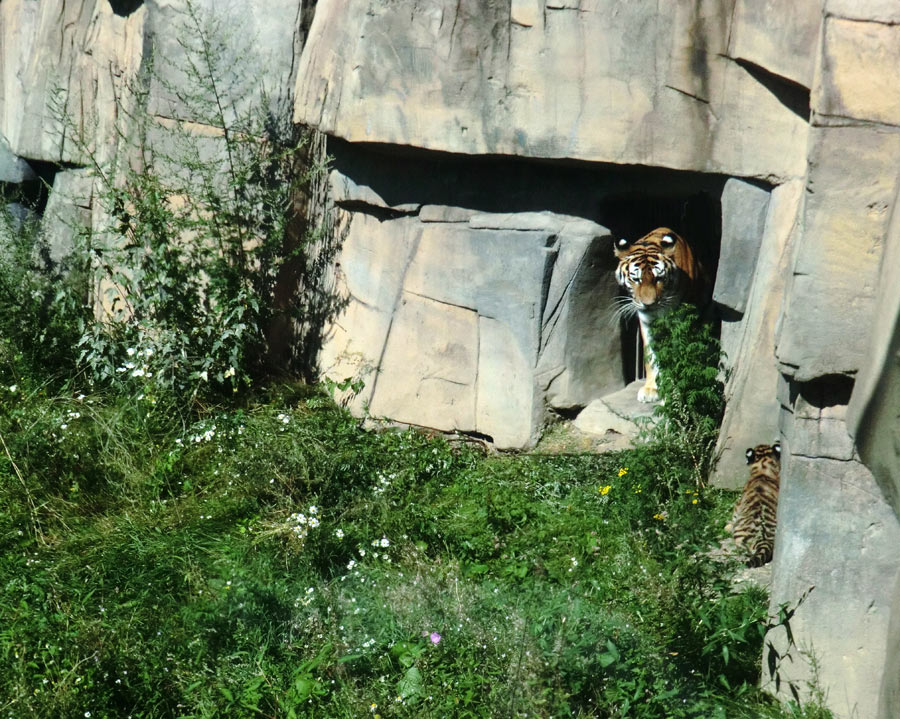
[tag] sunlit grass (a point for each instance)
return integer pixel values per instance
(274, 559)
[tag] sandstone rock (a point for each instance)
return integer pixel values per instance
(251, 40)
(857, 79)
(743, 222)
(884, 11)
(444, 213)
(13, 169)
(525, 297)
(851, 184)
(72, 60)
(428, 373)
(508, 406)
(780, 39)
(617, 412)
(372, 264)
(581, 356)
(68, 211)
(836, 533)
(752, 409)
(874, 412)
(430, 76)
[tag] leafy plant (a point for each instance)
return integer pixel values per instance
(43, 301)
(212, 267)
(690, 386)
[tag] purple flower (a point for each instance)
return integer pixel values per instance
(435, 637)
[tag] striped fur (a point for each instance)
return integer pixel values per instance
(753, 521)
(658, 272)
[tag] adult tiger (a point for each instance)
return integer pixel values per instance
(753, 521)
(658, 272)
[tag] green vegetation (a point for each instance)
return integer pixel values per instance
(274, 559)
(183, 536)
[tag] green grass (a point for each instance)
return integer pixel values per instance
(154, 569)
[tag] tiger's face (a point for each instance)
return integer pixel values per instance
(768, 454)
(655, 270)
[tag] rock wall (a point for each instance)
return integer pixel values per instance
(485, 151)
(786, 116)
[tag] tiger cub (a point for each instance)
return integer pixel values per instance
(753, 521)
(657, 271)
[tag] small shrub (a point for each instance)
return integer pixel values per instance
(211, 269)
(691, 391)
(43, 303)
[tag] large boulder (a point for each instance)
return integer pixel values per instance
(473, 322)
(629, 83)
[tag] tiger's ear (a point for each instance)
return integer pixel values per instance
(620, 245)
(777, 448)
(668, 240)
(750, 455)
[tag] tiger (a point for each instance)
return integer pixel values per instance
(658, 272)
(753, 521)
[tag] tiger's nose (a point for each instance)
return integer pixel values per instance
(646, 295)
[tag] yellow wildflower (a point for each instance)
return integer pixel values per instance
(661, 517)
(623, 471)
(604, 490)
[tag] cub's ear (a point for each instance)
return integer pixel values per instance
(749, 455)
(668, 241)
(620, 245)
(777, 448)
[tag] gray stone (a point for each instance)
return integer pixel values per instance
(68, 212)
(250, 41)
(345, 191)
(62, 70)
(751, 392)
(883, 11)
(859, 62)
(851, 185)
(581, 356)
(443, 213)
(13, 169)
(428, 374)
(743, 222)
(541, 300)
(874, 412)
(617, 412)
(461, 77)
(837, 534)
(506, 408)
(782, 40)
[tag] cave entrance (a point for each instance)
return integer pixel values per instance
(410, 201)
(695, 213)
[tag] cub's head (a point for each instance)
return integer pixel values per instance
(656, 270)
(767, 452)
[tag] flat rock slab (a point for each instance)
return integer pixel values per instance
(619, 412)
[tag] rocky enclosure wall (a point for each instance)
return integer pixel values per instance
(485, 153)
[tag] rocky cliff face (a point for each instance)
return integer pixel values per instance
(782, 120)
(485, 152)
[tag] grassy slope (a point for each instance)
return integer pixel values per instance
(152, 572)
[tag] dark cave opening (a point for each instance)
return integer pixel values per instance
(629, 200)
